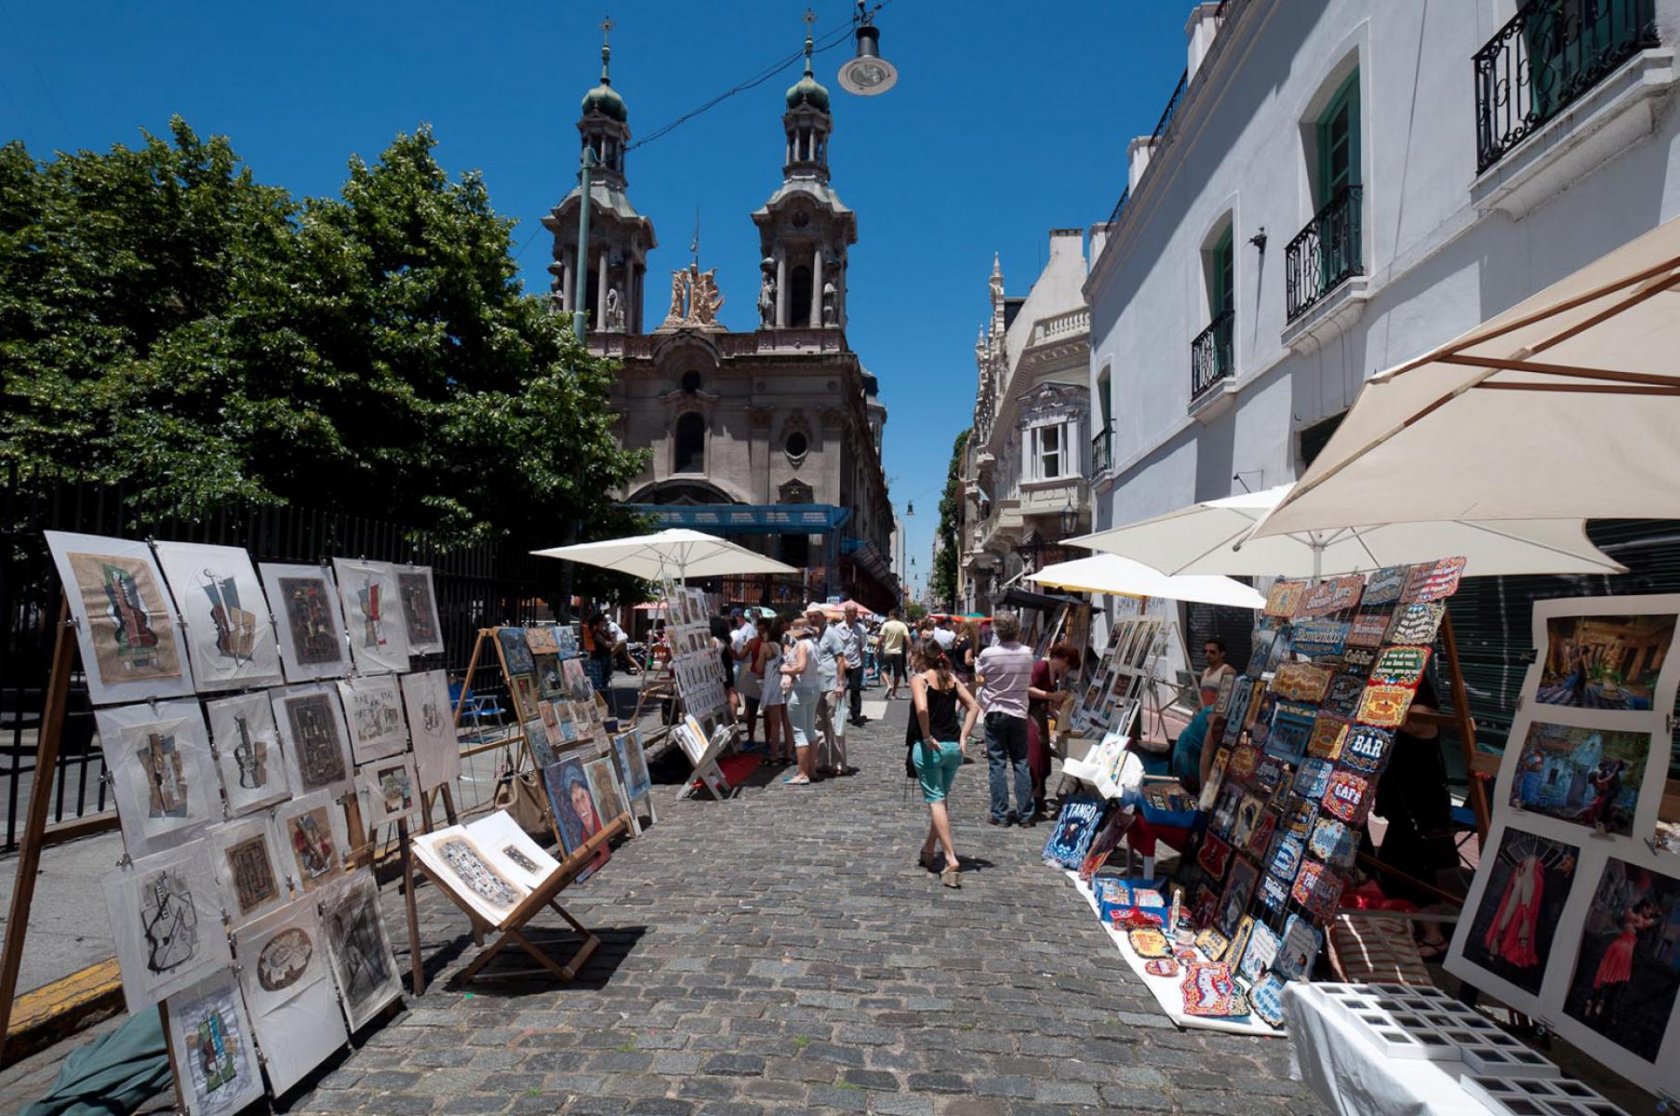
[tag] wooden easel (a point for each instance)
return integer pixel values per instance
(1477, 766)
(511, 929)
(707, 773)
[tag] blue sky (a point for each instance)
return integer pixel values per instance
(1008, 120)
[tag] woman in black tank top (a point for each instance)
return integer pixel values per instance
(936, 744)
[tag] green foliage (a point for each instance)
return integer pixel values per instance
(170, 324)
(948, 546)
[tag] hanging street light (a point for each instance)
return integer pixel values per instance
(1070, 518)
(867, 74)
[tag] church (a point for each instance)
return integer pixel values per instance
(771, 437)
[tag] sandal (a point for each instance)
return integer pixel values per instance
(796, 781)
(949, 877)
(925, 859)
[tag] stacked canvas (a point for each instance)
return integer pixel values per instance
(694, 658)
(228, 808)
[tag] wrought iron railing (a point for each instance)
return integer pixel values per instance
(1210, 356)
(1323, 255)
(1102, 451)
(1548, 55)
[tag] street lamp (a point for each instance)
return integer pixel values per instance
(867, 74)
(1070, 518)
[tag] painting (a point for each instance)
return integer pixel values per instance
(283, 974)
(166, 923)
(311, 723)
(229, 640)
(372, 615)
(551, 683)
(431, 723)
(454, 858)
(374, 711)
(575, 817)
(1604, 662)
(603, 784)
(125, 623)
(210, 1035)
(359, 948)
(390, 790)
(1525, 889)
(247, 753)
(516, 651)
(1349, 796)
(418, 598)
(308, 623)
(632, 765)
(1239, 888)
(692, 742)
(243, 855)
(538, 739)
(540, 638)
(576, 680)
(1586, 776)
(511, 849)
(522, 690)
(162, 776)
(312, 831)
(1627, 969)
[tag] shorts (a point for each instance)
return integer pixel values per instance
(895, 666)
(936, 769)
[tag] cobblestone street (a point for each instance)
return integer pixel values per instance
(784, 952)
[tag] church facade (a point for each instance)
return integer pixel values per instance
(770, 437)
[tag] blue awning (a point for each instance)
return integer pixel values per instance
(748, 519)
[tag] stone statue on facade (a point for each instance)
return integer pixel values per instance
(679, 299)
(615, 311)
(695, 299)
(830, 312)
(767, 300)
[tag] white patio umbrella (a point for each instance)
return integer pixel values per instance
(1564, 406)
(1203, 538)
(675, 553)
(1110, 573)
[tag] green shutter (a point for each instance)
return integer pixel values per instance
(1224, 293)
(1338, 142)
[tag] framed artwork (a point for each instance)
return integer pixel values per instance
(373, 615)
(359, 948)
(632, 765)
(312, 834)
(603, 786)
(516, 651)
(373, 709)
(162, 776)
(243, 855)
(166, 923)
(1617, 662)
(125, 623)
(431, 722)
(418, 597)
(1518, 903)
(312, 728)
(551, 683)
(210, 1035)
(283, 973)
(522, 689)
(511, 849)
(247, 752)
(573, 807)
(307, 622)
(457, 861)
(390, 790)
(229, 639)
(1587, 776)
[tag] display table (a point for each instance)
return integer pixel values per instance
(1332, 1057)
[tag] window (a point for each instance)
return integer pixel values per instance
(1049, 452)
(690, 444)
(797, 445)
(1222, 285)
(1338, 142)
(691, 381)
(799, 298)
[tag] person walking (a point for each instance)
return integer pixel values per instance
(937, 745)
(743, 644)
(831, 675)
(895, 641)
(1004, 671)
(800, 664)
(856, 638)
(965, 650)
(767, 664)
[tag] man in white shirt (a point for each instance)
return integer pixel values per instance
(831, 675)
(747, 684)
(1004, 672)
(945, 634)
(855, 638)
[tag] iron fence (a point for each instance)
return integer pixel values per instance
(476, 586)
(1325, 254)
(1210, 356)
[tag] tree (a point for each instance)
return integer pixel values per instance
(947, 541)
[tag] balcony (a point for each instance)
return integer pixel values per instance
(1102, 452)
(1325, 254)
(1547, 57)
(1211, 362)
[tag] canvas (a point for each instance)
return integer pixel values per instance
(229, 639)
(247, 747)
(162, 774)
(522, 691)
(418, 598)
(516, 651)
(511, 850)
(542, 640)
(125, 622)
(551, 682)
(312, 837)
(455, 859)
(573, 807)
(247, 867)
(300, 1034)
(1588, 777)
(1610, 662)
(632, 765)
(210, 1035)
(431, 721)
(1523, 896)
(374, 712)
(603, 785)
(390, 791)
(372, 615)
(1624, 980)
(166, 923)
(316, 740)
(539, 739)
(359, 948)
(308, 623)
(577, 682)
(691, 741)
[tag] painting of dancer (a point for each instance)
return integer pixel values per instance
(1528, 884)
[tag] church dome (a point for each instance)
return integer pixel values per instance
(807, 90)
(604, 98)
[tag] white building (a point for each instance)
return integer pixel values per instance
(1341, 185)
(1025, 465)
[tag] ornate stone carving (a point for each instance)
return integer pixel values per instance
(828, 309)
(615, 310)
(695, 299)
(767, 297)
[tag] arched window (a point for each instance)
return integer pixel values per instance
(690, 444)
(799, 298)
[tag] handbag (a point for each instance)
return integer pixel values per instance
(520, 793)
